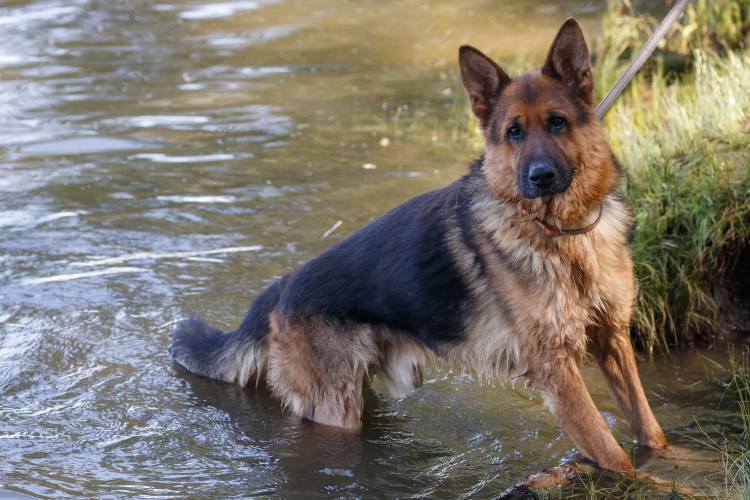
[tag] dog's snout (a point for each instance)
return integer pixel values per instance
(543, 177)
(542, 173)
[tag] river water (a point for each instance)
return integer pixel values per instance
(166, 157)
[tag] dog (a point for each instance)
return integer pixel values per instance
(517, 269)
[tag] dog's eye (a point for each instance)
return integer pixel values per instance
(558, 122)
(514, 132)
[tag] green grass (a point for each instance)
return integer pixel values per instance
(687, 179)
(681, 131)
(736, 456)
(734, 450)
(683, 140)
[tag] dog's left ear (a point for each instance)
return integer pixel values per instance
(568, 60)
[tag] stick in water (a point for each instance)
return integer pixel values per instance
(335, 227)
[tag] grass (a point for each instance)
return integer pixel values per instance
(681, 131)
(682, 139)
(734, 450)
(687, 179)
(736, 456)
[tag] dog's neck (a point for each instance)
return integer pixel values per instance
(581, 226)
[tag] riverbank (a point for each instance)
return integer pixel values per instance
(682, 138)
(734, 448)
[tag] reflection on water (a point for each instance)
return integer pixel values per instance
(160, 158)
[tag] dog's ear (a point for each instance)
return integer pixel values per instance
(483, 80)
(568, 60)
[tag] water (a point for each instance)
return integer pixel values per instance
(160, 158)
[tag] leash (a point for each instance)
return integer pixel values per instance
(674, 14)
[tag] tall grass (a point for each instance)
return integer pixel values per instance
(737, 457)
(682, 141)
(688, 182)
(735, 449)
(714, 25)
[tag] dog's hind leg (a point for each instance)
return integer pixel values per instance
(317, 367)
(567, 397)
(614, 354)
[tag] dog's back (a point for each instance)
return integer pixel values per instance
(398, 276)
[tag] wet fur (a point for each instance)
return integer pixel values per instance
(464, 275)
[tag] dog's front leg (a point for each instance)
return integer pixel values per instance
(567, 397)
(614, 354)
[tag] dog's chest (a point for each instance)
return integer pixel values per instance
(570, 288)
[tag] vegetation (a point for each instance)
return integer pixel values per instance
(682, 139)
(735, 450)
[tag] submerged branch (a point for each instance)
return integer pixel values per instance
(548, 479)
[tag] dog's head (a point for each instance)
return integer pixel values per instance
(544, 146)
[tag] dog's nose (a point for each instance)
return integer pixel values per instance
(542, 172)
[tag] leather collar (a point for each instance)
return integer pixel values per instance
(551, 230)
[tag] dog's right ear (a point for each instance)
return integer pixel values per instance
(568, 60)
(483, 80)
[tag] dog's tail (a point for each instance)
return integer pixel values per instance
(231, 357)
(239, 356)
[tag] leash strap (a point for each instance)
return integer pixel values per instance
(674, 14)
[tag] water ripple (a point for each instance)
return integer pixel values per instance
(76, 276)
(164, 255)
(163, 158)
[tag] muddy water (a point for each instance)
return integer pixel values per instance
(159, 158)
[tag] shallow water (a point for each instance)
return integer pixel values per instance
(175, 157)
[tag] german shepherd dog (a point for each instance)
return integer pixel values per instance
(514, 270)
